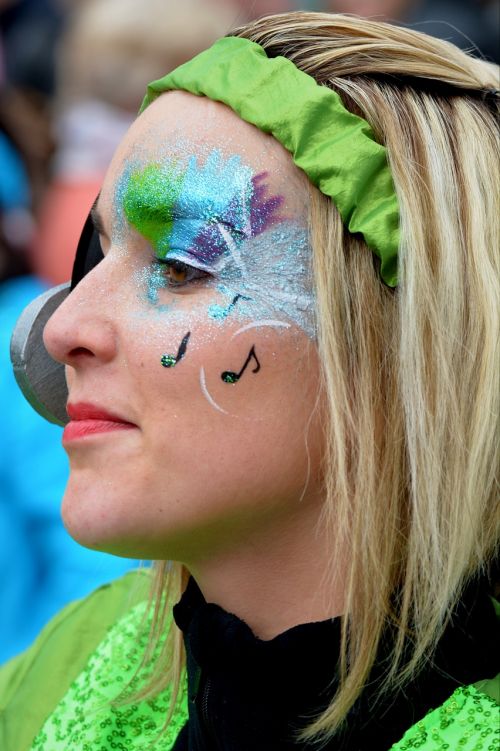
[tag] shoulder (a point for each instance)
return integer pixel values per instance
(468, 720)
(33, 683)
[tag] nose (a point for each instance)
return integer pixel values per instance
(82, 330)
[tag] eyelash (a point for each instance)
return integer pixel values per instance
(171, 264)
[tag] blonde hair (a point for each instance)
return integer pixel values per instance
(410, 375)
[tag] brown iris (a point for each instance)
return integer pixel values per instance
(177, 272)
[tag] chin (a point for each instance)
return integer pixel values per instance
(85, 516)
(79, 523)
(98, 522)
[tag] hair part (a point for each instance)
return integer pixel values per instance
(410, 375)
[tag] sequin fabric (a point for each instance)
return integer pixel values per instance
(86, 720)
(468, 721)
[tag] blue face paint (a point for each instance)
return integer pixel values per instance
(220, 312)
(220, 219)
(155, 282)
(273, 273)
(196, 210)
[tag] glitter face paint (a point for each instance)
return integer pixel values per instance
(169, 361)
(220, 313)
(273, 272)
(149, 202)
(272, 324)
(219, 217)
(229, 376)
(200, 209)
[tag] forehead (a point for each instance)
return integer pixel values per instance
(179, 125)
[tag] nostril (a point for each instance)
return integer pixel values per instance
(79, 351)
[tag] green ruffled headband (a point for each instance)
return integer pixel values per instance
(336, 149)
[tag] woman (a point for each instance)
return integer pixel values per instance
(288, 390)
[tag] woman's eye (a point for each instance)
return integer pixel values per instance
(178, 273)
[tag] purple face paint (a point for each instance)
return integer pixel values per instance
(221, 219)
(194, 209)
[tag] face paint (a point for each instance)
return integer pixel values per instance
(229, 376)
(149, 203)
(196, 210)
(272, 275)
(220, 313)
(169, 361)
(207, 395)
(155, 281)
(219, 218)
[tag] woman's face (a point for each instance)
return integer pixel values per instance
(197, 332)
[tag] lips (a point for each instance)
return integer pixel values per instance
(88, 420)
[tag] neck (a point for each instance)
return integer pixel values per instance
(278, 578)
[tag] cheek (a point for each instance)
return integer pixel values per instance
(214, 459)
(239, 400)
(252, 375)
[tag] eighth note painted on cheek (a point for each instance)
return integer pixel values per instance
(169, 361)
(228, 376)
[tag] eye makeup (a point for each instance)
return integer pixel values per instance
(198, 211)
(220, 218)
(271, 274)
(220, 312)
(149, 202)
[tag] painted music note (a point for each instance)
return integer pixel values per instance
(169, 361)
(228, 376)
(219, 313)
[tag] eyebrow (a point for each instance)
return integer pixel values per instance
(97, 219)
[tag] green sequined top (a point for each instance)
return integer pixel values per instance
(59, 694)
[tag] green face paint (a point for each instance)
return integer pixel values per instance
(198, 209)
(149, 201)
(218, 218)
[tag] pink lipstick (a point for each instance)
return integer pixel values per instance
(88, 419)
